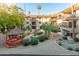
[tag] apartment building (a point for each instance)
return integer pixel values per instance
(70, 23)
(37, 20)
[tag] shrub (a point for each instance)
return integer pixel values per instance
(26, 42)
(34, 41)
(41, 38)
(60, 39)
(60, 43)
(46, 38)
(65, 38)
(39, 33)
(76, 39)
(77, 49)
(70, 48)
(58, 30)
(24, 35)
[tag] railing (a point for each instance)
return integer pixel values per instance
(70, 29)
(68, 16)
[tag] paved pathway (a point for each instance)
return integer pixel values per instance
(49, 47)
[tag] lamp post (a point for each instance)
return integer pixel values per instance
(38, 6)
(25, 8)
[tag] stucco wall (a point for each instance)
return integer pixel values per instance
(2, 40)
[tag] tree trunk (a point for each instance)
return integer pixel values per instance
(73, 30)
(46, 33)
(49, 35)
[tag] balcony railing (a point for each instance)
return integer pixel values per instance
(70, 28)
(72, 16)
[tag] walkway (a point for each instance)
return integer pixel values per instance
(49, 47)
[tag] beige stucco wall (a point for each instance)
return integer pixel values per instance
(2, 40)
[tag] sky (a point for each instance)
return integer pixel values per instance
(47, 8)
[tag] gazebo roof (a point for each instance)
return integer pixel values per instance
(15, 31)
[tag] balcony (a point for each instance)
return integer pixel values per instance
(69, 16)
(76, 30)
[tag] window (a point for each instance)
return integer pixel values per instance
(33, 23)
(70, 24)
(74, 24)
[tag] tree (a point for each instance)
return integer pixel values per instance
(48, 28)
(14, 9)
(2, 7)
(11, 20)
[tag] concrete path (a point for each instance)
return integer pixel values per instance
(49, 47)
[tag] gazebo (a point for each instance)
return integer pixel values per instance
(14, 37)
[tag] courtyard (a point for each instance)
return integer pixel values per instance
(39, 31)
(49, 47)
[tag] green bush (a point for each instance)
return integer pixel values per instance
(76, 39)
(26, 42)
(46, 38)
(65, 38)
(34, 41)
(70, 48)
(77, 49)
(60, 43)
(41, 38)
(60, 39)
(39, 33)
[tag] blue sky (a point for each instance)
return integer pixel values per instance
(47, 8)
